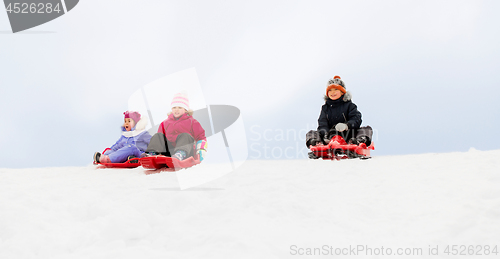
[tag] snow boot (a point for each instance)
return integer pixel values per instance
(312, 138)
(180, 155)
(351, 154)
(312, 155)
(364, 139)
(133, 161)
(146, 154)
(97, 155)
(364, 135)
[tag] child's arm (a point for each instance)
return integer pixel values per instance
(143, 141)
(201, 140)
(118, 144)
(354, 116)
(161, 129)
(198, 131)
(201, 149)
(323, 123)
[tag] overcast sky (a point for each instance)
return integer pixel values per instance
(424, 74)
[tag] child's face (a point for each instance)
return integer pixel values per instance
(334, 94)
(129, 124)
(178, 111)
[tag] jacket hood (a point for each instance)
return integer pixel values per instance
(189, 112)
(138, 129)
(347, 97)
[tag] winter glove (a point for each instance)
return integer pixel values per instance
(341, 127)
(201, 149)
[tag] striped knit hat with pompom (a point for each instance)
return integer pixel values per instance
(180, 100)
(335, 83)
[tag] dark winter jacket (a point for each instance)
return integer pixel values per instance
(342, 110)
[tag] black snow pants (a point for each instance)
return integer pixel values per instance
(160, 144)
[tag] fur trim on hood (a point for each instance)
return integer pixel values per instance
(138, 129)
(347, 97)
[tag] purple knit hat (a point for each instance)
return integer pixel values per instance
(133, 115)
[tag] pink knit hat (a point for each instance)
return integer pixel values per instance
(133, 115)
(180, 100)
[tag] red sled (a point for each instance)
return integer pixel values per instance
(338, 149)
(161, 162)
(131, 163)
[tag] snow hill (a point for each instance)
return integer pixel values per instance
(264, 209)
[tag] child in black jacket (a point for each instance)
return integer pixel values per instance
(339, 116)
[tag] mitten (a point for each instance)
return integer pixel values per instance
(201, 149)
(341, 127)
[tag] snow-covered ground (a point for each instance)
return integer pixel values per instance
(265, 209)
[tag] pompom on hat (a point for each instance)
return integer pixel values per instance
(335, 83)
(133, 115)
(180, 100)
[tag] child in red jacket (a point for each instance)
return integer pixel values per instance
(179, 133)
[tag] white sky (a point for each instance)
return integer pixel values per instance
(423, 73)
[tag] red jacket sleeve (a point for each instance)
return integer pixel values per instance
(198, 131)
(161, 129)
